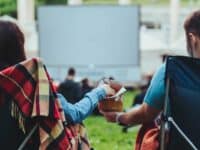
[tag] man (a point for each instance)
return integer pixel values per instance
(154, 98)
(69, 88)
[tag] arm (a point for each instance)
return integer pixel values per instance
(137, 115)
(77, 112)
(153, 103)
(141, 114)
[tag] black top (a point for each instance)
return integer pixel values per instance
(86, 89)
(70, 90)
(139, 98)
(10, 136)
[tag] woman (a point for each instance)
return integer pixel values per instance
(12, 52)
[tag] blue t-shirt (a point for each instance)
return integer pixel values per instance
(156, 92)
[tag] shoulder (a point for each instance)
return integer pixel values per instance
(159, 74)
(161, 70)
(156, 91)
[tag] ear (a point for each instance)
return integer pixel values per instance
(192, 38)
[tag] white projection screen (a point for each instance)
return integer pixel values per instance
(98, 41)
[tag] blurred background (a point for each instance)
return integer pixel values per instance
(123, 39)
(160, 32)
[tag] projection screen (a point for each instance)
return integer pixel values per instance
(96, 40)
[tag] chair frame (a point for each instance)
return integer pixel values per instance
(166, 119)
(23, 144)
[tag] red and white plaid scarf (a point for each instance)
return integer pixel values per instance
(28, 84)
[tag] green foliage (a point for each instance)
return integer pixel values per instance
(140, 2)
(52, 2)
(184, 3)
(8, 7)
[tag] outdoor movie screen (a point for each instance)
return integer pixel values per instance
(91, 35)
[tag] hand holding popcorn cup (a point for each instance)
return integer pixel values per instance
(113, 103)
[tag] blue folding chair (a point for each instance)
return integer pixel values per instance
(180, 128)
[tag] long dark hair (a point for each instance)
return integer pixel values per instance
(11, 44)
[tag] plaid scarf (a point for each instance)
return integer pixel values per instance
(28, 85)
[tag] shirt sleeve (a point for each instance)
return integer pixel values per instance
(156, 91)
(76, 113)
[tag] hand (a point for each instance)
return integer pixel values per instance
(110, 116)
(113, 84)
(109, 91)
(114, 117)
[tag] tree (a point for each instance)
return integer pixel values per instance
(9, 7)
(53, 1)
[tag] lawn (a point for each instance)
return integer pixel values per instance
(109, 136)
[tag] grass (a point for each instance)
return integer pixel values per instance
(109, 136)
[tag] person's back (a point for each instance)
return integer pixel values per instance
(70, 90)
(85, 86)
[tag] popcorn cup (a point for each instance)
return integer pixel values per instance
(111, 105)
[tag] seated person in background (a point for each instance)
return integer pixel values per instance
(138, 100)
(111, 78)
(70, 89)
(85, 86)
(12, 52)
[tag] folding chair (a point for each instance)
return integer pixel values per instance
(182, 105)
(23, 144)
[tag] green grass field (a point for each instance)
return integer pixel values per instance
(109, 136)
